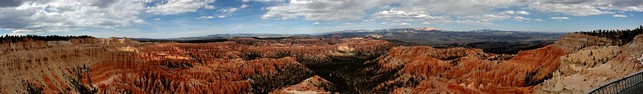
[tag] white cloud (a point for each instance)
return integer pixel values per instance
(210, 7)
(316, 23)
(520, 18)
(205, 17)
(472, 22)
(157, 19)
(457, 7)
(324, 10)
(244, 6)
(179, 6)
(511, 12)
(404, 16)
(538, 20)
(522, 12)
(508, 12)
(619, 15)
(57, 15)
(401, 11)
(570, 9)
(263, 0)
(228, 10)
(402, 24)
(29, 16)
(466, 11)
(586, 7)
(559, 18)
(489, 17)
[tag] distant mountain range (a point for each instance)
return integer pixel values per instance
(487, 39)
(443, 38)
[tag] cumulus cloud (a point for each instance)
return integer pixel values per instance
(586, 7)
(179, 6)
(32, 16)
(401, 11)
(58, 15)
(538, 20)
(405, 16)
(205, 17)
(263, 0)
(570, 9)
(27, 16)
(228, 10)
(522, 12)
(402, 24)
(559, 18)
(457, 7)
(322, 9)
(508, 12)
(244, 6)
(461, 11)
(511, 12)
(520, 18)
(619, 15)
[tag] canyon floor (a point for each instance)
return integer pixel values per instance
(575, 63)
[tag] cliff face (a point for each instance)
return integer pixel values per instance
(459, 70)
(315, 84)
(46, 66)
(574, 64)
(122, 66)
(573, 42)
(595, 65)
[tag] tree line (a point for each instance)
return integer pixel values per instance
(22, 38)
(620, 37)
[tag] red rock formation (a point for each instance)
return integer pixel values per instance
(314, 84)
(248, 65)
(458, 70)
(222, 67)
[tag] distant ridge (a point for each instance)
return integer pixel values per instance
(493, 41)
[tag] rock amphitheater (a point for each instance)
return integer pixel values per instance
(576, 63)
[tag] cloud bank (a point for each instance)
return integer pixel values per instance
(32, 16)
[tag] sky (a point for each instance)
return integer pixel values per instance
(189, 18)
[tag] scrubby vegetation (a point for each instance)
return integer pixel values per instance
(618, 37)
(22, 38)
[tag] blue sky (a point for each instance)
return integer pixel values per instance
(187, 18)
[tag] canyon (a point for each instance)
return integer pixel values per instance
(575, 63)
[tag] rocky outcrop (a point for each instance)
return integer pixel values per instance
(573, 42)
(574, 64)
(124, 66)
(459, 70)
(593, 66)
(47, 64)
(315, 84)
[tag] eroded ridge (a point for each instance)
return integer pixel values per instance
(575, 63)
